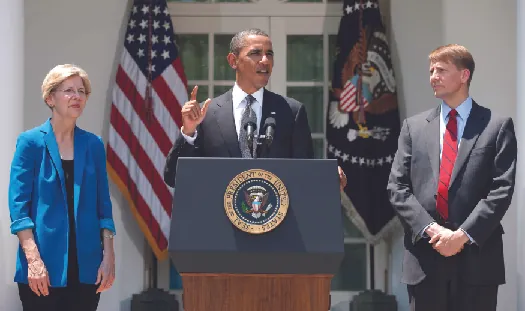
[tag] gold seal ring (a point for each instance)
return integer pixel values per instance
(256, 201)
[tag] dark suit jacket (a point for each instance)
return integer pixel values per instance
(481, 189)
(217, 136)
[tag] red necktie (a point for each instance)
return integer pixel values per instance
(448, 157)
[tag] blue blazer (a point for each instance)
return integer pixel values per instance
(37, 200)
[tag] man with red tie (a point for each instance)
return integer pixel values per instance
(451, 183)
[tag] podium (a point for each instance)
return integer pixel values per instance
(285, 264)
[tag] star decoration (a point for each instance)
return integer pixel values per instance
(142, 38)
(154, 39)
(145, 9)
(156, 10)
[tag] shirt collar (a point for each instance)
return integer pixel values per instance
(463, 109)
(238, 95)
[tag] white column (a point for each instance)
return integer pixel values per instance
(488, 30)
(12, 90)
(519, 196)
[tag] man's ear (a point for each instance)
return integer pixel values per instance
(465, 75)
(232, 60)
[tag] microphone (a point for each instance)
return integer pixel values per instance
(250, 127)
(269, 126)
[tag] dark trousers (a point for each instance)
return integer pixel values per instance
(78, 297)
(451, 295)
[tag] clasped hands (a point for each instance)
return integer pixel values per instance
(445, 241)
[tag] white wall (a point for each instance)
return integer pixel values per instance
(489, 32)
(11, 86)
(520, 132)
(413, 34)
(89, 34)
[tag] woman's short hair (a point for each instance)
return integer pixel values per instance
(59, 74)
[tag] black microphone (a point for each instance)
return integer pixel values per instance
(269, 126)
(250, 127)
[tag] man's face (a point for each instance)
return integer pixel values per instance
(446, 79)
(254, 63)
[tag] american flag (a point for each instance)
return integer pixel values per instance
(150, 89)
(348, 98)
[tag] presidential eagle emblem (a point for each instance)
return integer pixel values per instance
(256, 201)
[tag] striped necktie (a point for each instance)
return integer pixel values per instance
(448, 158)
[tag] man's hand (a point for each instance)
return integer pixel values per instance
(342, 178)
(449, 243)
(193, 114)
(434, 229)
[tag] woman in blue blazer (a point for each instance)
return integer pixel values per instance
(59, 204)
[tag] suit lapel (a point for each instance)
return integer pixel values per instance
(470, 135)
(52, 148)
(226, 123)
(80, 161)
(432, 139)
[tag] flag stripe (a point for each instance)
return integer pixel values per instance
(125, 109)
(143, 160)
(166, 96)
(149, 91)
(144, 188)
(137, 102)
(142, 207)
(162, 114)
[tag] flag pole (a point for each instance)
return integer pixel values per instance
(361, 117)
(149, 109)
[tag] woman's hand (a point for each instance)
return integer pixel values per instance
(38, 277)
(106, 272)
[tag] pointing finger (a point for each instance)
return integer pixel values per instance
(193, 95)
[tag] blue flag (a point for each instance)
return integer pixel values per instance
(363, 119)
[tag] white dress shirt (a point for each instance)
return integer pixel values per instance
(239, 103)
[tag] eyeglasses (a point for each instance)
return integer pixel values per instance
(71, 91)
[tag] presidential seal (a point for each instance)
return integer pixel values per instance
(256, 201)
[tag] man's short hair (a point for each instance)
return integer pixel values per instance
(455, 54)
(238, 40)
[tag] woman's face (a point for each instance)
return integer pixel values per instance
(69, 98)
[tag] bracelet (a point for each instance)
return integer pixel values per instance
(108, 236)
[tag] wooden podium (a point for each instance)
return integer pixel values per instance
(286, 269)
(236, 292)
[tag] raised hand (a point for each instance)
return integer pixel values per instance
(192, 113)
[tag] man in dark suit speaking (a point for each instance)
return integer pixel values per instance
(222, 126)
(451, 182)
